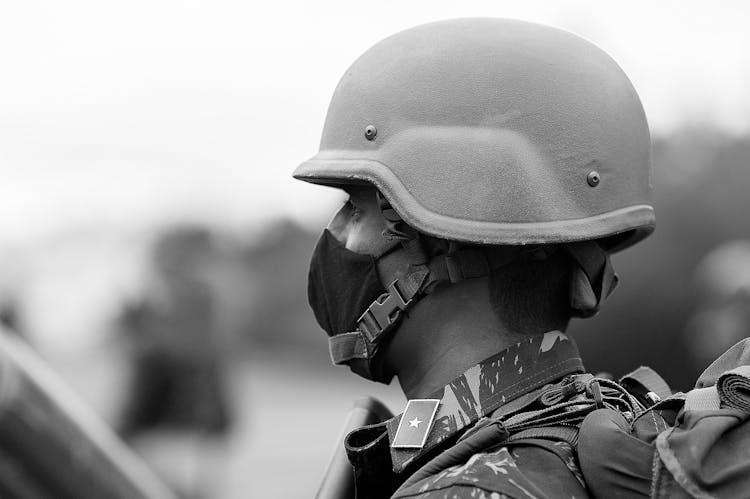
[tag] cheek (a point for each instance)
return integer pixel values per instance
(340, 226)
(363, 239)
(365, 236)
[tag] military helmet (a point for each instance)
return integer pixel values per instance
(493, 131)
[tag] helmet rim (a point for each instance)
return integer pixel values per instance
(633, 223)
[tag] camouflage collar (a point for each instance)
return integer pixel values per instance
(492, 383)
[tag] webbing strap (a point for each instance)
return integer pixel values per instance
(382, 314)
(733, 388)
(644, 380)
(378, 319)
(470, 263)
(567, 434)
(702, 399)
(347, 346)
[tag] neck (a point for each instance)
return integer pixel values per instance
(445, 334)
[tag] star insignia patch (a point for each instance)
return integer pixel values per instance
(415, 424)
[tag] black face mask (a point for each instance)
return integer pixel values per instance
(341, 285)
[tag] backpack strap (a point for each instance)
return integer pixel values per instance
(567, 434)
(646, 385)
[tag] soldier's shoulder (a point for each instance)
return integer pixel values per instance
(530, 469)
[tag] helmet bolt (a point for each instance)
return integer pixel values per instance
(370, 132)
(593, 178)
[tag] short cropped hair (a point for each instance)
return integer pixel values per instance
(530, 295)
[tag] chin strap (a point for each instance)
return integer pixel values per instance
(592, 281)
(381, 317)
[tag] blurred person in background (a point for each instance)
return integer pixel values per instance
(177, 393)
(722, 317)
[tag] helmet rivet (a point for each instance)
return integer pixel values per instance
(593, 178)
(370, 132)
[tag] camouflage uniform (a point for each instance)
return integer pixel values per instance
(507, 427)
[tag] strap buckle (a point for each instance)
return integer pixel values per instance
(382, 313)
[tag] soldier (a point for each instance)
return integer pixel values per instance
(492, 168)
(177, 396)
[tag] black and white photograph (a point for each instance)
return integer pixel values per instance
(370, 250)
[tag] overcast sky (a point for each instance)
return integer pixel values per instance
(127, 114)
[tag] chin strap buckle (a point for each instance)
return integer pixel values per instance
(383, 313)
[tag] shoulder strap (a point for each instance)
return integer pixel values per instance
(567, 434)
(644, 381)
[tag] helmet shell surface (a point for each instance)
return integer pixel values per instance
(493, 131)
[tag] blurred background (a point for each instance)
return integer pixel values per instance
(154, 247)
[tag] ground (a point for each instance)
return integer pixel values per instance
(288, 415)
